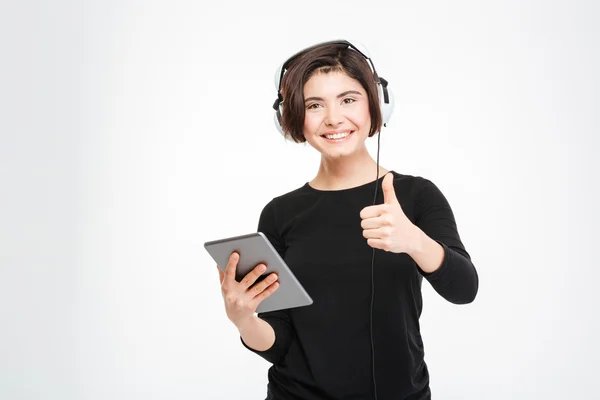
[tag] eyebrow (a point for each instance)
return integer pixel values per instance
(338, 96)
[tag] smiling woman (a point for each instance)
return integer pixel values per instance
(353, 342)
(304, 82)
(337, 119)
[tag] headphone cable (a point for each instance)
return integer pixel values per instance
(373, 275)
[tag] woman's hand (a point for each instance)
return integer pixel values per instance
(242, 298)
(385, 226)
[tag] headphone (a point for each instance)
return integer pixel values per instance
(386, 97)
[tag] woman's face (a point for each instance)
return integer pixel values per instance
(337, 119)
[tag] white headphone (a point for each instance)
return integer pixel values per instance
(386, 97)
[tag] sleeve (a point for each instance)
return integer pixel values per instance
(279, 320)
(456, 280)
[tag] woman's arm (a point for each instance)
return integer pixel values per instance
(455, 277)
(269, 334)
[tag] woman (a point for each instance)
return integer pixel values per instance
(362, 264)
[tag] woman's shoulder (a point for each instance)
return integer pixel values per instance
(412, 183)
(293, 196)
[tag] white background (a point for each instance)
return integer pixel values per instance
(133, 132)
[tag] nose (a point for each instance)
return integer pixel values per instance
(333, 117)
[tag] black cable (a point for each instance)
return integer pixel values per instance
(373, 273)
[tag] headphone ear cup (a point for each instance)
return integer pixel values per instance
(386, 108)
(277, 119)
(279, 110)
(278, 76)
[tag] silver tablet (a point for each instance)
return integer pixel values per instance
(254, 249)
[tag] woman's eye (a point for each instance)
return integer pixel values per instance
(349, 100)
(312, 106)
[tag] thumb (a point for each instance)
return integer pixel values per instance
(389, 195)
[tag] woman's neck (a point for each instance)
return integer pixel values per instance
(346, 172)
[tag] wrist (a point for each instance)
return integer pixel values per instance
(426, 252)
(419, 242)
(246, 324)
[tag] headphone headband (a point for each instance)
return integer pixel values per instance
(286, 64)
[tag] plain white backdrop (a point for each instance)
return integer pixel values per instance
(133, 132)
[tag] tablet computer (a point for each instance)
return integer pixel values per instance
(254, 249)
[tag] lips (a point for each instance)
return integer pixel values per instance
(337, 135)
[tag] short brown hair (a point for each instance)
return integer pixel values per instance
(326, 58)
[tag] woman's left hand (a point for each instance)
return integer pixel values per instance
(385, 226)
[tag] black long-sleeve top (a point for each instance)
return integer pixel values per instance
(323, 351)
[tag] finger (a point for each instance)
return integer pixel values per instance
(221, 274)
(374, 223)
(253, 275)
(373, 211)
(231, 268)
(262, 285)
(377, 244)
(389, 194)
(264, 294)
(374, 233)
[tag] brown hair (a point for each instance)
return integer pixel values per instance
(326, 58)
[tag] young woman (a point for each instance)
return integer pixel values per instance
(362, 261)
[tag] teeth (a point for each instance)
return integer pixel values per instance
(338, 135)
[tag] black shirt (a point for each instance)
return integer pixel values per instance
(323, 351)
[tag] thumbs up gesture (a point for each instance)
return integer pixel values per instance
(385, 226)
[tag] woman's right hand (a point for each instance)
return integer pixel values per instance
(242, 298)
